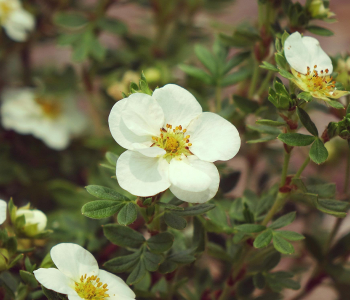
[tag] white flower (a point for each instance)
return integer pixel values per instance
(35, 221)
(3, 211)
(171, 144)
(16, 21)
(78, 276)
(311, 67)
(54, 121)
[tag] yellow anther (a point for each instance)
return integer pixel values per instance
(184, 130)
(315, 66)
(177, 128)
(105, 285)
(180, 127)
(187, 137)
(190, 144)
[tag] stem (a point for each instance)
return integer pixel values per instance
(303, 166)
(218, 97)
(265, 83)
(347, 174)
(254, 79)
(285, 168)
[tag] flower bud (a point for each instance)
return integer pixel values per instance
(34, 221)
(4, 259)
(318, 10)
(153, 75)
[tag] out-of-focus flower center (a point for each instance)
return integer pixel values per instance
(5, 10)
(316, 83)
(50, 109)
(174, 141)
(91, 288)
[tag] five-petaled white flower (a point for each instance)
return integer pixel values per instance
(311, 67)
(171, 144)
(52, 120)
(78, 276)
(3, 211)
(16, 21)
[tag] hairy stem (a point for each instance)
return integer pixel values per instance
(254, 79)
(303, 166)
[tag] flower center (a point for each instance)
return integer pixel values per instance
(173, 141)
(5, 10)
(315, 82)
(50, 108)
(90, 288)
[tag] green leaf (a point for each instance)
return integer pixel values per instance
(271, 261)
(306, 121)
(318, 152)
(334, 205)
(245, 105)
(326, 190)
(263, 139)
(335, 104)
(174, 221)
(296, 139)
(68, 39)
(112, 25)
(235, 61)
(319, 30)
(206, 58)
(123, 263)
(161, 242)
(250, 228)
(283, 221)
(270, 123)
(281, 61)
(233, 78)
(306, 96)
(265, 129)
(100, 209)
(112, 158)
(28, 278)
(259, 280)
(51, 295)
(182, 257)
(268, 66)
(285, 35)
(167, 267)
(127, 214)
(282, 245)
(105, 193)
(195, 210)
(152, 261)
(137, 273)
(123, 236)
(290, 235)
(169, 206)
(263, 239)
(96, 50)
(197, 73)
(70, 20)
(286, 74)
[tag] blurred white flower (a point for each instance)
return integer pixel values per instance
(311, 67)
(35, 221)
(3, 211)
(16, 21)
(78, 276)
(171, 144)
(52, 120)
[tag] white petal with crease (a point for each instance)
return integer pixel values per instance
(180, 107)
(213, 138)
(141, 175)
(55, 280)
(200, 197)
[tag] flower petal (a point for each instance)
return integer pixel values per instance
(213, 138)
(73, 260)
(117, 288)
(121, 133)
(152, 151)
(18, 24)
(54, 280)
(302, 52)
(3, 211)
(180, 106)
(183, 175)
(141, 175)
(203, 196)
(143, 115)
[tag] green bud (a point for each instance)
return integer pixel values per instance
(332, 130)
(318, 10)
(4, 259)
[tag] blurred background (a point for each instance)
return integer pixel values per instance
(156, 37)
